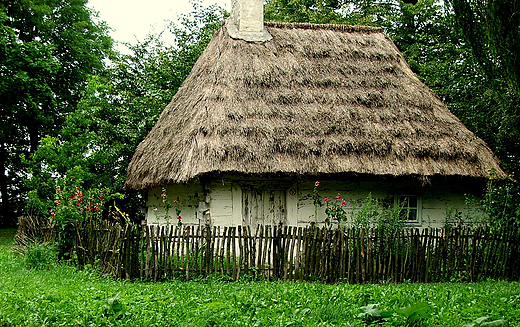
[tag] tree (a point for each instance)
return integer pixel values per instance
(492, 30)
(306, 11)
(118, 109)
(48, 49)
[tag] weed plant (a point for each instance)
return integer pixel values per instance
(40, 256)
(64, 296)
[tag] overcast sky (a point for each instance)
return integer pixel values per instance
(134, 19)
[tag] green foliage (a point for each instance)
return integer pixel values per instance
(48, 48)
(482, 322)
(415, 313)
(118, 108)
(368, 213)
(40, 256)
(501, 203)
(74, 204)
(167, 204)
(66, 296)
(372, 314)
(490, 28)
(307, 11)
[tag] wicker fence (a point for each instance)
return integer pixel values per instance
(297, 253)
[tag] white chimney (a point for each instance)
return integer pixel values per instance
(247, 21)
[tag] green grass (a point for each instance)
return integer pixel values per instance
(63, 296)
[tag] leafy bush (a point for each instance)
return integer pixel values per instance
(501, 202)
(368, 213)
(40, 256)
(74, 204)
(497, 208)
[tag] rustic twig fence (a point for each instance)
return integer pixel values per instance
(297, 253)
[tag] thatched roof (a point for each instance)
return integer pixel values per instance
(316, 99)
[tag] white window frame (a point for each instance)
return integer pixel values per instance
(418, 208)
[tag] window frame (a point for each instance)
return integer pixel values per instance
(418, 208)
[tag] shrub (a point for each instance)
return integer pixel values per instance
(501, 202)
(368, 213)
(73, 204)
(40, 256)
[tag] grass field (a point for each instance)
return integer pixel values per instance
(64, 296)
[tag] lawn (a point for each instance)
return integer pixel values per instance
(64, 296)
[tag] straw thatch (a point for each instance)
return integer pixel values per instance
(317, 99)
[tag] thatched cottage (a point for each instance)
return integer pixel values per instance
(270, 109)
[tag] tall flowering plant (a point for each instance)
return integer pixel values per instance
(335, 210)
(74, 204)
(167, 205)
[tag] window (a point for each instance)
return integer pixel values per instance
(411, 205)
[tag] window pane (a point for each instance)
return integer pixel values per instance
(412, 201)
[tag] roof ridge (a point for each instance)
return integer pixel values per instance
(337, 27)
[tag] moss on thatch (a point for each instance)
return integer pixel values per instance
(317, 99)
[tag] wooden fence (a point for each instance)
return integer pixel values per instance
(298, 253)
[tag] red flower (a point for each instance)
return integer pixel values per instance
(326, 200)
(174, 201)
(179, 218)
(102, 198)
(72, 196)
(338, 198)
(317, 184)
(80, 194)
(343, 203)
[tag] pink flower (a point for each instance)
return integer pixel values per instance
(338, 198)
(317, 184)
(343, 203)
(174, 201)
(326, 200)
(163, 195)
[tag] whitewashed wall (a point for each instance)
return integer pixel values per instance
(230, 202)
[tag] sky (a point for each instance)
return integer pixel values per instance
(133, 19)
